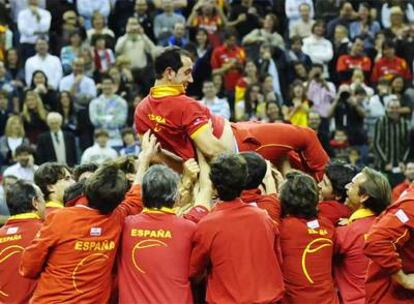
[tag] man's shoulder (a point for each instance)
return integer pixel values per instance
(12, 169)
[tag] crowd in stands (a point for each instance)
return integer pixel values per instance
(71, 75)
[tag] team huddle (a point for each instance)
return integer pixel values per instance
(211, 211)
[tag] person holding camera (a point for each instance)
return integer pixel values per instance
(349, 114)
(322, 93)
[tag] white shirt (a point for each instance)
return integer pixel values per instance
(86, 87)
(98, 155)
(26, 173)
(50, 65)
(17, 6)
(28, 25)
(292, 10)
(59, 146)
(14, 143)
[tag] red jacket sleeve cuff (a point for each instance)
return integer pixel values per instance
(196, 213)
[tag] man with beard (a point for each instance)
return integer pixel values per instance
(409, 178)
(24, 168)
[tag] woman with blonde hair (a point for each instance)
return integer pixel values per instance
(13, 137)
(34, 115)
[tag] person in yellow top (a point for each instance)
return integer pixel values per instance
(298, 113)
(53, 179)
(253, 107)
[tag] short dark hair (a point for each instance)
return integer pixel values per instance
(100, 132)
(317, 23)
(106, 188)
(80, 169)
(107, 77)
(19, 197)
(378, 189)
(126, 131)
(296, 38)
(73, 192)
(340, 174)
(299, 195)
(169, 58)
(256, 169)
(32, 85)
(388, 44)
(24, 148)
(230, 32)
(159, 187)
(228, 175)
(47, 175)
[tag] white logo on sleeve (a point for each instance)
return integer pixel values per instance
(12, 230)
(400, 214)
(96, 231)
(313, 224)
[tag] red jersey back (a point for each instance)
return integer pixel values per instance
(16, 235)
(307, 250)
(175, 119)
(154, 259)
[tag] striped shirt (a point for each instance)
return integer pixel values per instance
(391, 140)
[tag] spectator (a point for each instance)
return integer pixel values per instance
(358, 80)
(392, 154)
(6, 41)
(273, 113)
(81, 87)
(295, 54)
(99, 28)
(218, 106)
(302, 28)
(253, 106)
(267, 34)
(164, 23)
(395, 6)
(398, 27)
(356, 59)
(24, 168)
(103, 57)
(6, 85)
(300, 71)
(14, 68)
(346, 16)
(178, 37)
(33, 23)
(138, 49)
(100, 151)
(13, 137)
(293, 12)
(48, 95)
(340, 46)
(228, 60)
(45, 62)
(323, 135)
(131, 145)
(26, 205)
(206, 15)
(297, 114)
(251, 76)
(270, 93)
(34, 115)
(318, 48)
(70, 52)
(405, 45)
(368, 195)
(87, 9)
(109, 112)
(326, 10)
(56, 145)
(261, 278)
(268, 69)
(66, 108)
(5, 112)
(332, 191)
(402, 187)
(145, 18)
(321, 93)
(365, 27)
(243, 17)
(6, 182)
(389, 65)
(376, 105)
(405, 95)
(349, 115)
(202, 67)
(301, 226)
(71, 23)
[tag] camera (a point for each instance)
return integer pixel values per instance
(344, 96)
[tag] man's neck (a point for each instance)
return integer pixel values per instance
(163, 82)
(43, 56)
(107, 96)
(209, 99)
(54, 130)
